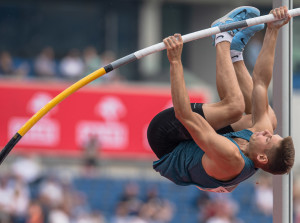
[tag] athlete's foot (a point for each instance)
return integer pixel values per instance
(238, 14)
(242, 37)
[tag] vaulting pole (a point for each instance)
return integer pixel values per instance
(125, 60)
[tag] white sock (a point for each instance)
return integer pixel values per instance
(236, 55)
(220, 37)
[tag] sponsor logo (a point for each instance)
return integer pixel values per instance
(111, 132)
(46, 132)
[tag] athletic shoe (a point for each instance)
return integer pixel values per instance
(238, 14)
(242, 37)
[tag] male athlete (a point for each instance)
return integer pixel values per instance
(197, 144)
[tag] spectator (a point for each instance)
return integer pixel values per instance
(91, 150)
(72, 65)
(164, 212)
(73, 203)
(95, 217)
(27, 168)
(147, 212)
(139, 219)
(79, 207)
(7, 67)
(6, 194)
(59, 215)
(122, 214)
(156, 209)
(51, 192)
(107, 57)
(6, 64)
(91, 59)
(20, 201)
(152, 195)
(264, 194)
(44, 64)
(225, 211)
(130, 198)
(204, 204)
(35, 213)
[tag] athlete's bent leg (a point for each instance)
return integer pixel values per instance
(231, 107)
(165, 132)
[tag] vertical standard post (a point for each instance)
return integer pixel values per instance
(282, 95)
(150, 32)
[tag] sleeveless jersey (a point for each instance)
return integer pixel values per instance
(184, 167)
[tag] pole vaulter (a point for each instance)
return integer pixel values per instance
(125, 60)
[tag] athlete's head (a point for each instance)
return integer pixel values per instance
(272, 153)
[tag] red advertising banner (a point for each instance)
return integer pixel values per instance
(116, 115)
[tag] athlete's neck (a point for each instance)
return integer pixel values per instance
(244, 146)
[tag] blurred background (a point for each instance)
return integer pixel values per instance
(88, 160)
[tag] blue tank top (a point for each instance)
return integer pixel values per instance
(184, 167)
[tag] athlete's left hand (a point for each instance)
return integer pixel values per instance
(282, 14)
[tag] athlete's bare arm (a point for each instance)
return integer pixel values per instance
(218, 149)
(263, 71)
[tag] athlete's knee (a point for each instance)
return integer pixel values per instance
(236, 113)
(236, 107)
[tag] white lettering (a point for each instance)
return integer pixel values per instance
(111, 135)
(110, 108)
(44, 133)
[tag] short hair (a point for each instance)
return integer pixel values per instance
(281, 158)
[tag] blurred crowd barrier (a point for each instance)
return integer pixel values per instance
(73, 66)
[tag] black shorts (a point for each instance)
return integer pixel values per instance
(165, 132)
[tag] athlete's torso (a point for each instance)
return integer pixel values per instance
(184, 166)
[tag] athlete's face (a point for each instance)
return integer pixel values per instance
(265, 140)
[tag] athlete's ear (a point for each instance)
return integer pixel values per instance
(262, 158)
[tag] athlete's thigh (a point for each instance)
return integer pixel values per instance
(244, 123)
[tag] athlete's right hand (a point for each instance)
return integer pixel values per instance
(174, 46)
